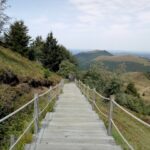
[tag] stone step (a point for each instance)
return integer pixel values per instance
(78, 124)
(73, 125)
(77, 131)
(61, 146)
(74, 115)
(74, 110)
(93, 140)
(65, 119)
(90, 128)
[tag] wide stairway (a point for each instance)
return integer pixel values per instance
(73, 125)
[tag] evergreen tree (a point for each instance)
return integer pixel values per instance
(53, 54)
(37, 46)
(66, 55)
(50, 57)
(17, 38)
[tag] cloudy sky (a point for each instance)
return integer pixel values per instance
(88, 24)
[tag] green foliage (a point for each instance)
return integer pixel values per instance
(104, 81)
(67, 68)
(133, 103)
(131, 89)
(17, 38)
(31, 54)
(36, 47)
(109, 83)
(47, 73)
(86, 58)
(53, 54)
(113, 87)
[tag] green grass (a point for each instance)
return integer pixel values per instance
(28, 137)
(13, 97)
(18, 64)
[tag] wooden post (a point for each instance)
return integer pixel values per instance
(110, 116)
(49, 95)
(12, 140)
(94, 97)
(36, 114)
(87, 92)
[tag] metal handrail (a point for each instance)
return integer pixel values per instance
(125, 140)
(24, 106)
(20, 137)
(111, 122)
(34, 100)
(130, 114)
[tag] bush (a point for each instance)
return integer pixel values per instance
(47, 73)
(131, 89)
(131, 102)
(113, 87)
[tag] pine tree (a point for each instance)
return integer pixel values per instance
(36, 47)
(17, 38)
(51, 56)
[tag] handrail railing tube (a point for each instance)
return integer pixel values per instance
(100, 110)
(124, 139)
(20, 137)
(25, 105)
(111, 122)
(110, 116)
(36, 112)
(130, 114)
(16, 111)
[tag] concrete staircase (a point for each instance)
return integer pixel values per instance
(73, 126)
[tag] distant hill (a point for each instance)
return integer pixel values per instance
(86, 58)
(132, 63)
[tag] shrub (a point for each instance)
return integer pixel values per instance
(131, 89)
(47, 73)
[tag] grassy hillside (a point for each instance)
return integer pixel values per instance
(85, 58)
(19, 80)
(141, 82)
(132, 63)
(21, 66)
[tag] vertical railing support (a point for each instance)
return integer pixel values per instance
(87, 92)
(110, 115)
(36, 114)
(49, 95)
(94, 98)
(12, 140)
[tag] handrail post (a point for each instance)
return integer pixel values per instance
(12, 140)
(94, 97)
(49, 95)
(110, 116)
(36, 114)
(87, 92)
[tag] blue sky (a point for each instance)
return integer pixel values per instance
(88, 24)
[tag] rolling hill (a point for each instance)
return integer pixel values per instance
(132, 63)
(86, 58)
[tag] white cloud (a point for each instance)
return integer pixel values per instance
(113, 11)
